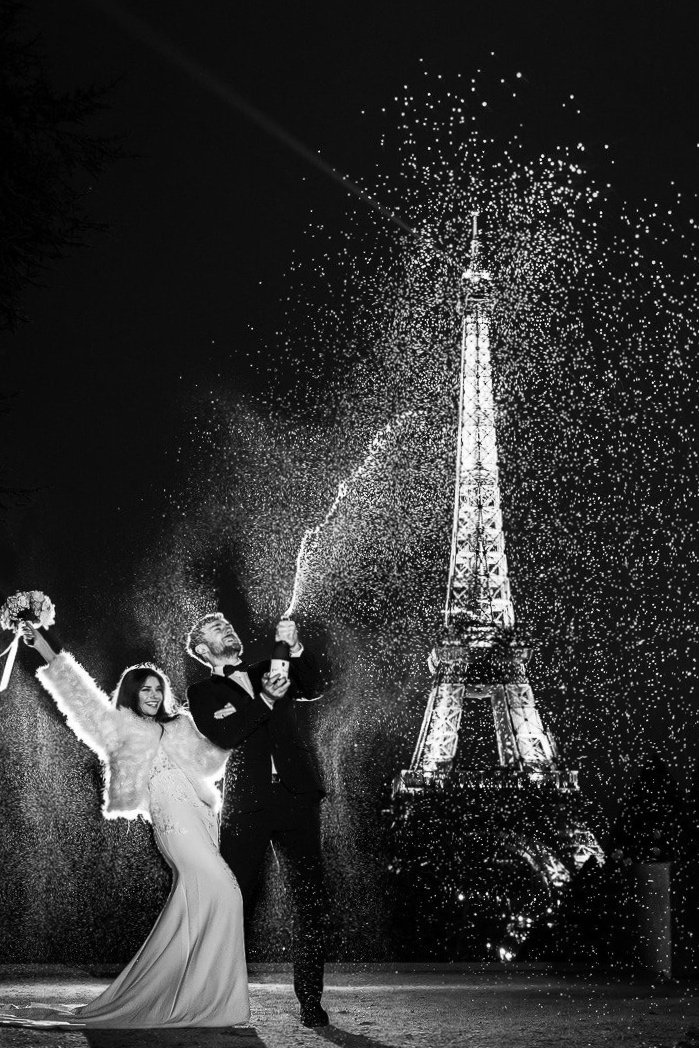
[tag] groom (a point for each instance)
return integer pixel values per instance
(273, 786)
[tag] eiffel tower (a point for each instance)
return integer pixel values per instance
(479, 663)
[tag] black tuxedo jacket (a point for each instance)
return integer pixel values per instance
(257, 733)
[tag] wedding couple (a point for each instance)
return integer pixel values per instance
(162, 762)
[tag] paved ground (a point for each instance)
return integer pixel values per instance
(379, 1007)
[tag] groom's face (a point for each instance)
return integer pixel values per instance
(221, 640)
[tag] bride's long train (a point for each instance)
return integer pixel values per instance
(191, 969)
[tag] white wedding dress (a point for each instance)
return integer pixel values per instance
(191, 969)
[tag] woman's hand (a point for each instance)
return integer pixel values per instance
(33, 639)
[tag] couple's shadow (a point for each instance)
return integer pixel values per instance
(246, 1037)
(345, 1039)
(187, 1037)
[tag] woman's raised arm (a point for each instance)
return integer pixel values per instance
(87, 709)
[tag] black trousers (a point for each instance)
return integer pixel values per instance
(292, 824)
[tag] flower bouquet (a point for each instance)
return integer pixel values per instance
(31, 606)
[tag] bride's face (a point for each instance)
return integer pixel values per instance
(150, 696)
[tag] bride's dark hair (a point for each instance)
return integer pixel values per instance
(125, 694)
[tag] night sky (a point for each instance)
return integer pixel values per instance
(140, 342)
(184, 289)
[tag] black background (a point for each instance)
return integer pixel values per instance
(185, 287)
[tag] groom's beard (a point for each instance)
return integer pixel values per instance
(226, 649)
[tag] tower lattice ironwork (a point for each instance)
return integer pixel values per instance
(480, 656)
(499, 836)
(480, 660)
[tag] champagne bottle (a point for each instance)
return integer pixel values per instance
(279, 665)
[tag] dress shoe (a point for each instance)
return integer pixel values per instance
(313, 1014)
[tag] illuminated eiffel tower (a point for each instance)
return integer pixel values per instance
(478, 664)
(480, 657)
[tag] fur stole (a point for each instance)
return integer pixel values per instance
(127, 744)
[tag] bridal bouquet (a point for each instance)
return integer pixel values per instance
(31, 606)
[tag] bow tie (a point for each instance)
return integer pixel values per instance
(240, 667)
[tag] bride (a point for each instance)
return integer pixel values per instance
(191, 969)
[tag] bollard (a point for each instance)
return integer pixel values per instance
(651, 917)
